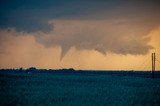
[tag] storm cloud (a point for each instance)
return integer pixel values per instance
(117, 36)
(117, 26)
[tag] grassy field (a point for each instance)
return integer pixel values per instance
(76, 89)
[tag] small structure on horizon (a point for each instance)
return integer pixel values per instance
(153, 64)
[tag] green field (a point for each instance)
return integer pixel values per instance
(76, 89)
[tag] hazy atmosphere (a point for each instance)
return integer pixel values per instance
(82, 34)
(79, 52)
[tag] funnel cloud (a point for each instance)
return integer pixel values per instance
(116, 26)
(117, 36)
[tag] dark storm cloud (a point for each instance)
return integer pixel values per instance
(119, 26)
(32, 15)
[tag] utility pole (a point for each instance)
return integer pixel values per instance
(153, 64)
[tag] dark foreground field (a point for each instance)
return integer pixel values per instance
(73, 89)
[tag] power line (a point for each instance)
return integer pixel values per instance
(144, 63)
(146, 66)
(158, 62)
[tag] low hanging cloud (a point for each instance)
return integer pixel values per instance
(121, 36)
(117, 36)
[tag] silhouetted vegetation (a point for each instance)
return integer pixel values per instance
(69, 87)
(33, 70)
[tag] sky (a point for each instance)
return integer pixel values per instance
(80, 34)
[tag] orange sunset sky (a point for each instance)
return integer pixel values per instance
(80, 34)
